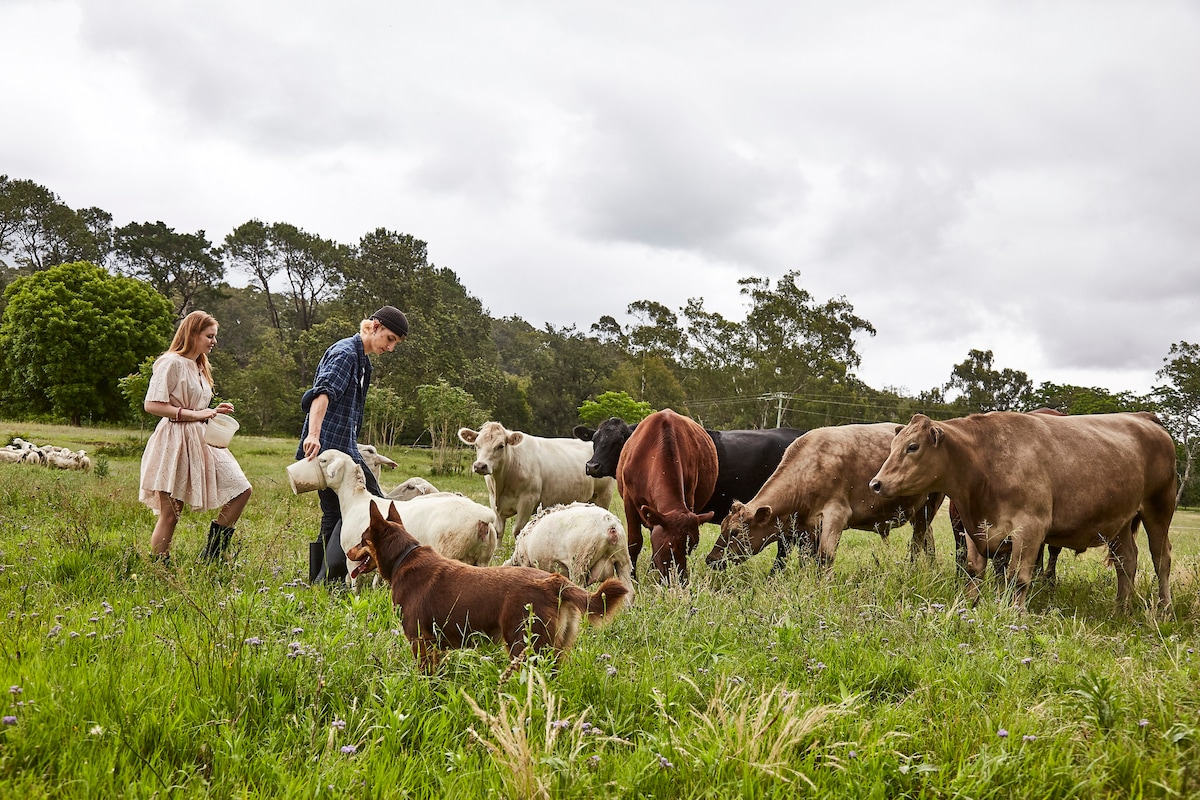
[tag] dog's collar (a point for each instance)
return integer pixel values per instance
(407, 551)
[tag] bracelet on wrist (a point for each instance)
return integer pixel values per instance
(179, 414)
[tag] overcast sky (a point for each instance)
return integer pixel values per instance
(1021, 177)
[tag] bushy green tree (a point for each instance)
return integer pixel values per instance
(133, 388)
(70, 333)
(1083, 399)
(614, 404)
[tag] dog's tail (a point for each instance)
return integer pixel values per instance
(604, 603)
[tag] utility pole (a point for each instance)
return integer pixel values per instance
(779, 397)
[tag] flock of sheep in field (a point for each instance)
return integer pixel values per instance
(48, 455)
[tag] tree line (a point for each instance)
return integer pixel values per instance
(88, 304)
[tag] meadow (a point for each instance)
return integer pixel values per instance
(125, 678)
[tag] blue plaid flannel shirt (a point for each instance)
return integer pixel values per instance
(343, 375)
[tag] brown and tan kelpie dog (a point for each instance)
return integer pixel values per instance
(443, 602)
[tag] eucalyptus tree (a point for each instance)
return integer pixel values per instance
(252, 248)
(41, 231)
(449, 331)
(574, 368)
(982, 388)
(177, 265)
(315, 269)
(789, 348)
(1179, 405)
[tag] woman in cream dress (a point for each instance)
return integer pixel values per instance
(178, 467)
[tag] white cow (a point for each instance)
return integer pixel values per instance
(523, 471)
(454, 525)
(585, 542)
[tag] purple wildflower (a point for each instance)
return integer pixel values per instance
(1029, 737)
(339, 724)
(9, 719)
(1002, 733)
(349, 749)
(1143, 723)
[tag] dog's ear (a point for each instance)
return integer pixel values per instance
(376, 514)
(393, 514)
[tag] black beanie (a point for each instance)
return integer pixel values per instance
(393, 319)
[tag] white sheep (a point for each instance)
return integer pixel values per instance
(454, 525)
(375, 460)
(11, 455)
(583, 541)
(413, 487)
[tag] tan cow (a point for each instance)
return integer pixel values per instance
(820, 488)
(1025, 479)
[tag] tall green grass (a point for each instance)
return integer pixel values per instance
(122, 678)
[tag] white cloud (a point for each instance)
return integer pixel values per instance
(1014, 177)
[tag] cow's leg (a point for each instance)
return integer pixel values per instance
(525, 508)
(1050, 571)
(1156, 517)
(1123, 550)
(633, 530)
(1023, 558)
(833, 522)
(959, 530)
(974, 565)
(922, 543)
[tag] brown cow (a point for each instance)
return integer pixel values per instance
(1000, 560)
(823, 483)
(667, 470)
(1027, 479)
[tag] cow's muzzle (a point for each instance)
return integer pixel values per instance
(480, 468)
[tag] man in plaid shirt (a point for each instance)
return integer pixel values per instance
(334, 407)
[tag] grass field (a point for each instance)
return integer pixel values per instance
(126, 679)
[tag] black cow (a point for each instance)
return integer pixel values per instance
(745, 459)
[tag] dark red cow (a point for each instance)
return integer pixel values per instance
(745, 459)
(667, 470)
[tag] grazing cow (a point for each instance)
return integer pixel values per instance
(585, 542)
(820, 488)
(523, 471)
(745, 459)
(667, 470)
(1000, 560)
(1027, 479)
